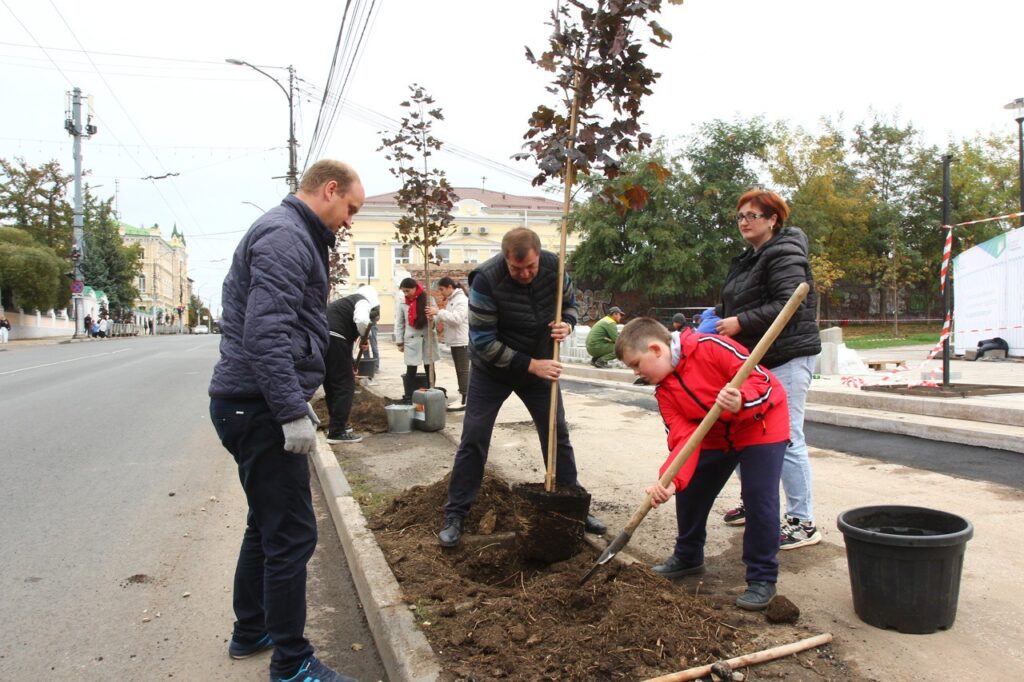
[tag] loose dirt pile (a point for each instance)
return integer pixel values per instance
(367, 415)
(490, 615)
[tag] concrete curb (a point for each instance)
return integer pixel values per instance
(403, 648)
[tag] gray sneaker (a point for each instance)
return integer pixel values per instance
(759, 593)
(346, 437)
(797, 533)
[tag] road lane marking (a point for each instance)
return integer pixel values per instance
(61, 362)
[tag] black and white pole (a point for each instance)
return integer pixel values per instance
(947, 291)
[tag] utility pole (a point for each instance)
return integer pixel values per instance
(73, 124)
(293, 154)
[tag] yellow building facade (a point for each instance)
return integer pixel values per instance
(164, 286)
(482, 217)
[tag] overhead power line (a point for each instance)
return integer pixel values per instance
(124, 110)
(355, 25)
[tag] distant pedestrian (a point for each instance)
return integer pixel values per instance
(104, 325)
(87, 325)
(5, 329)
(708, 322)
(455, 317)
(274, 338)
(151, 327)
(601, 338)
(678, 322)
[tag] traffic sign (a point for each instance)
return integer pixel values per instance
(77, 287)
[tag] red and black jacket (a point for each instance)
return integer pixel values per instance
(707, 362)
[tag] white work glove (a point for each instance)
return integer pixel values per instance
(300, 436)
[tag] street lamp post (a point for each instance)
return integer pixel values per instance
(1018, 104)
(289, 93)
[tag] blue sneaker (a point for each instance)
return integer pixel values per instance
(239, 651)
(312, 670)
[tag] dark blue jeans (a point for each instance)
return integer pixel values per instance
(486, 396)
(762, 467)
(280, 532)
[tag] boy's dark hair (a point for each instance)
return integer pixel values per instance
(447, 282)
(638, 333)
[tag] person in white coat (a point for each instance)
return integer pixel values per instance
(455, 317)
(411, 325)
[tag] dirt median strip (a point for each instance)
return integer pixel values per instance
(403, 648)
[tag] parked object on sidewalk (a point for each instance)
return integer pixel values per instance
(430, 406)
(905, 565)
(399, 418)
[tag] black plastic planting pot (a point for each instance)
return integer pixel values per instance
(905, 565)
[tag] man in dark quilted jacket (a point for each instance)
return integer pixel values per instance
(274, 339)
(512, 297)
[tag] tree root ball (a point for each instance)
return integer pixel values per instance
(782, 610)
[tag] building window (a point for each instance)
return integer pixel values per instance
(470, 256)
(443, 254)
(142, 284)
(401, 254)
(367, 256)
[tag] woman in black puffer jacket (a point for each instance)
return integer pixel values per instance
(760, 281)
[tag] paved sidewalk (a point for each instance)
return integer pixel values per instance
(619, 449)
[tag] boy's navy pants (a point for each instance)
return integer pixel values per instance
(762, 467)
(280, 532)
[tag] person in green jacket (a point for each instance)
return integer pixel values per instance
(601, 339)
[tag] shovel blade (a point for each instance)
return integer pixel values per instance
(620, 541)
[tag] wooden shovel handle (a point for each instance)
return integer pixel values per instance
(781, 320)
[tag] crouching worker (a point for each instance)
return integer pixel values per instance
(691, 372)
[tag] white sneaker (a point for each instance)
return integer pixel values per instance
(797, 533)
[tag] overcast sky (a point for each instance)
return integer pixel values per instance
(947, 67)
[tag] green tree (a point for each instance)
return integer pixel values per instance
(425, 195)
(652, 250)
(33, 198)
(724, 158)
(826, 198)
(32, 271)
(983, 179)
(109, 264)
(885, 155)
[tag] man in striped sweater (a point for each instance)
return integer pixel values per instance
(511, 341)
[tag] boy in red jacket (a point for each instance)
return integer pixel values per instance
(691, 372)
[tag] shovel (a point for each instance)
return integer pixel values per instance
(622, 539)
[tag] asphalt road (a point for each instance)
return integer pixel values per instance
(121, 518)
(978, 463)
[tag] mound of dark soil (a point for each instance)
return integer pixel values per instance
(367, 415)
(491, 615)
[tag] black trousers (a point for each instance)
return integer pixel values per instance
(460, 358)
(339, 384)
(280, 531)
(486, 396)
(762, 468)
